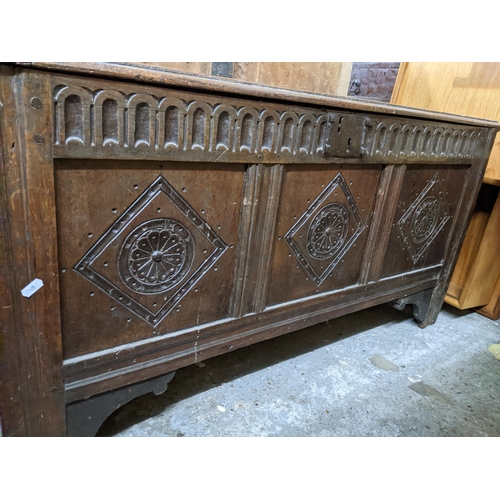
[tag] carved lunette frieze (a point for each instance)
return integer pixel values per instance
(393, 138)
(143, 121)
(200, 128)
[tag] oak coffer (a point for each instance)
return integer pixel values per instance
(153, 219)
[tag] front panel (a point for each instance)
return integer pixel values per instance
(322, 229)
(424, 216)
(145, 248)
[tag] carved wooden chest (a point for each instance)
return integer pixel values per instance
(151, 220)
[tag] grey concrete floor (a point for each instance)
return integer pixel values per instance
(372, 373)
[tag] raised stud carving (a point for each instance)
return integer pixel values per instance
(36, 102)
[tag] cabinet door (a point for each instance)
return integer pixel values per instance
(145, 248)
(322, 229)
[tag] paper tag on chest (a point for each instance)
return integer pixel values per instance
(32, 288)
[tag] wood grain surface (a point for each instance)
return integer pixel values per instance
(91, 319)
(468, 254)
(320, 77)
(471, 89)
(197, 68)
(31, 352)
(484, 272)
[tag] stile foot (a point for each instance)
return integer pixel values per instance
(84, 418)
(420, 302)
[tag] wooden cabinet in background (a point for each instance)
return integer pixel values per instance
(475, 279)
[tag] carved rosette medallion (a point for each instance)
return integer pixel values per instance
(148, 264)
(326, 230)
(155, 256)
(424, 219)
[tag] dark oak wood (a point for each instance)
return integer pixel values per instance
(420, 302)
(93, 198)
(257, 228)
(173, 218)
(33, 395)
(391, 182)
(86, 417)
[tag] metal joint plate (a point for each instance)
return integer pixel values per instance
(344, 135)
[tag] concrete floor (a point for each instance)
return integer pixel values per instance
(372, 373)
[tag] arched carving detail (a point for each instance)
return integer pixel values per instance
(394, 139)
(464, 136)
(288, 131)
(268, 131)
(426, 142)
(305, 133)
(455, 143)
(109, 119)
(437, 142)
(171, 122)
(405, 143)
(101, 95)
(64, 92)
(224, 117)
(446, 142)
(469, 143)
(246, 129)
(198, 125)
(319, 134)
(141, 117)
(418, 132)
(380, 140)
(106, 117)
(72, 115)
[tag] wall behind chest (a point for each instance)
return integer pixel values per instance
(321, 77)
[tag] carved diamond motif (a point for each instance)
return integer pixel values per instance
(424, 219)
(326, 230)
(148, 264)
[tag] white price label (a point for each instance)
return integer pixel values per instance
(32, 288)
